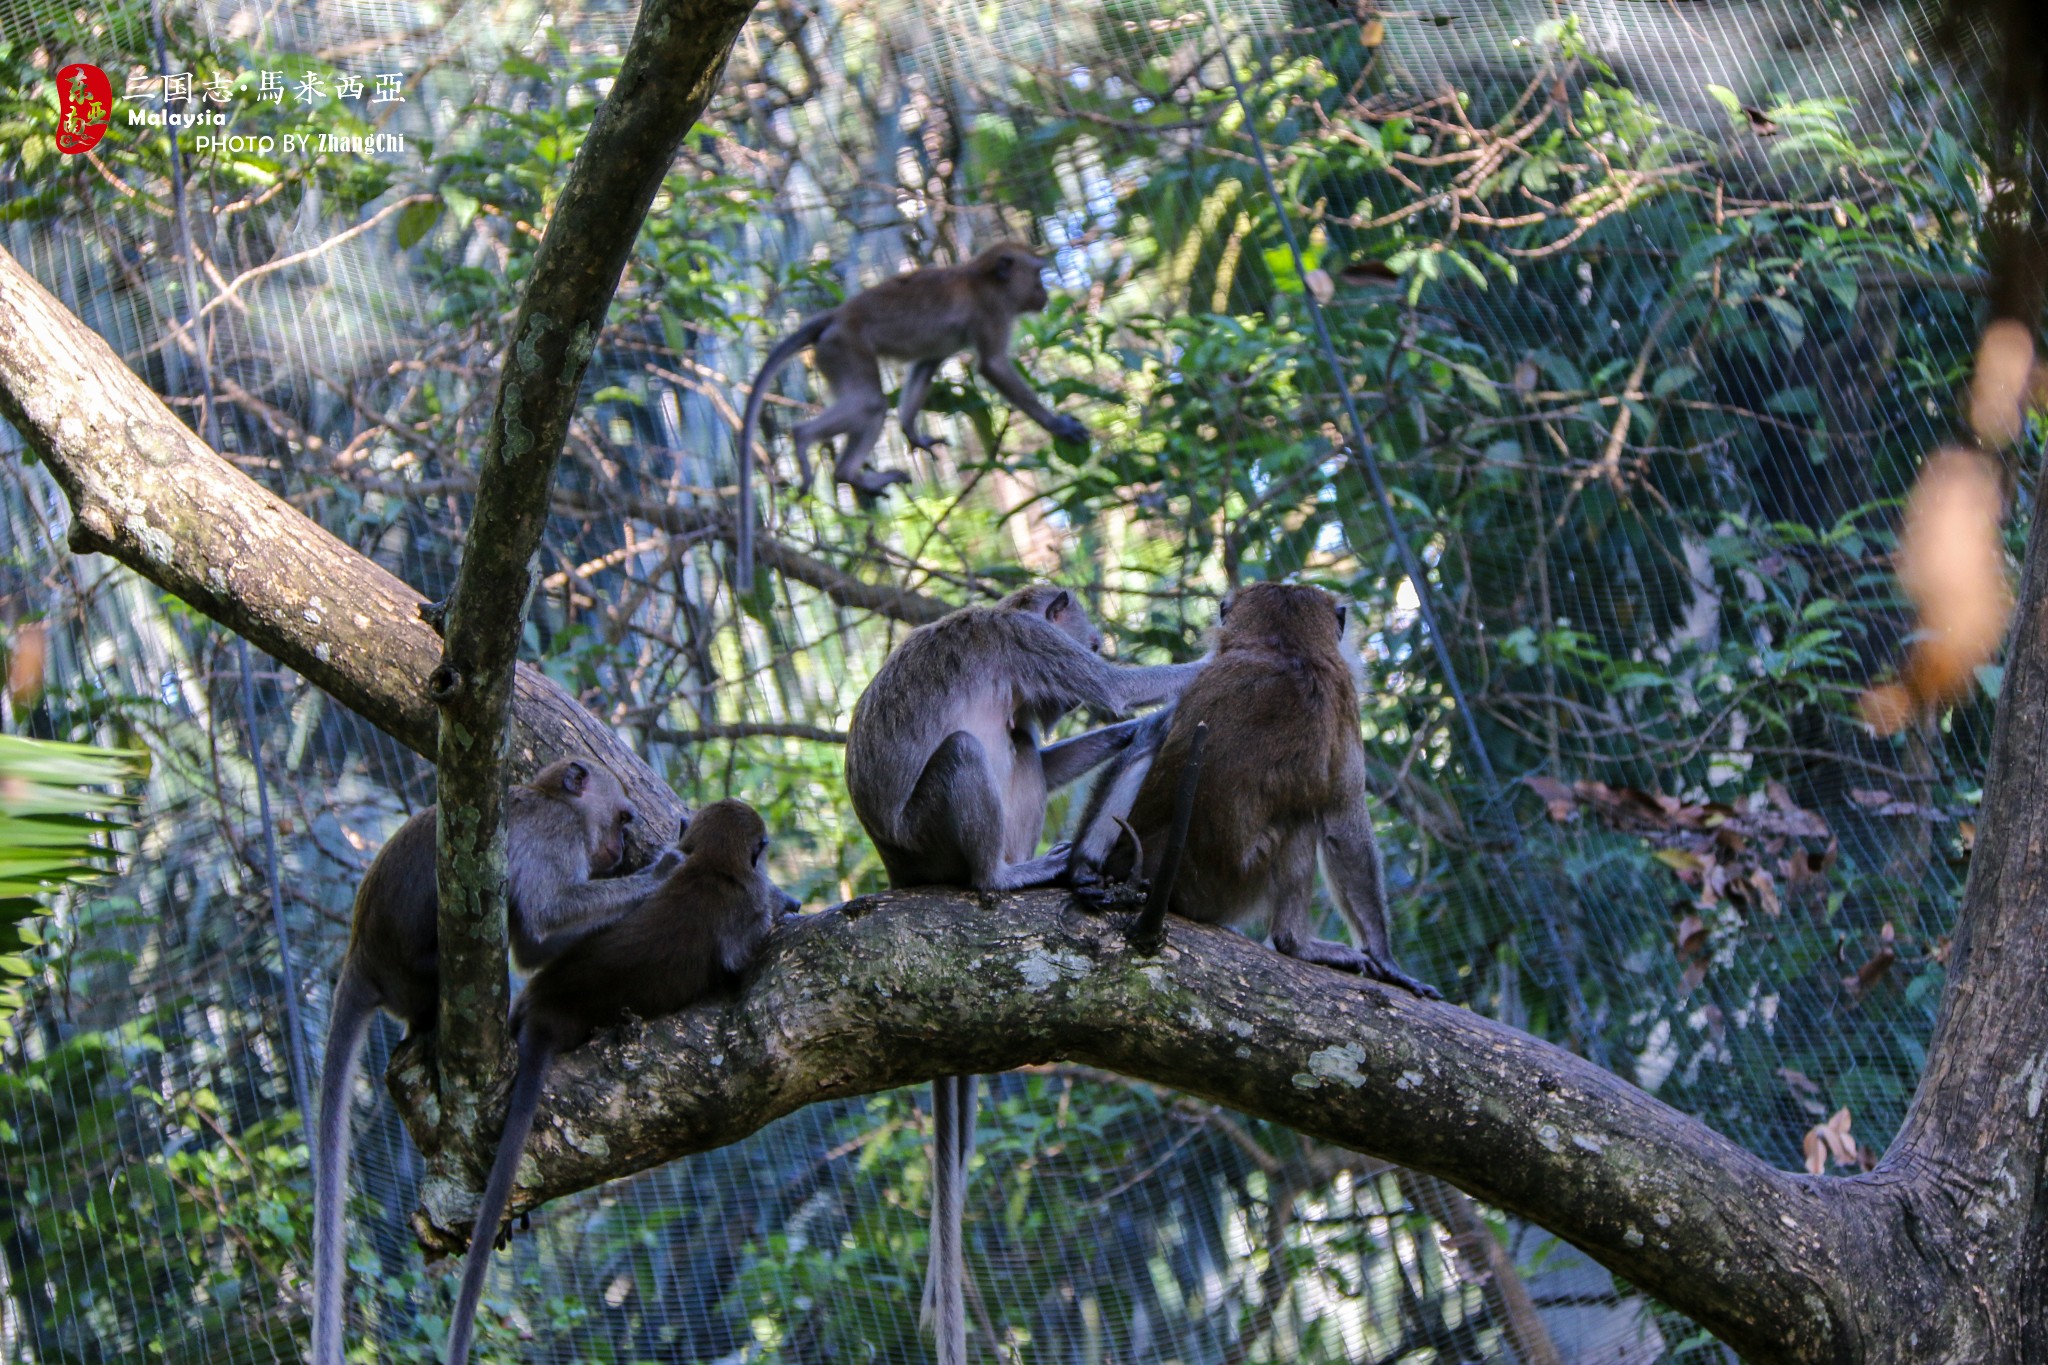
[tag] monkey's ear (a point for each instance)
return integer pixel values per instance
(682, 828)
(1000, 268)
(1223, 607)
(1343, 610)
(760, 847)
(1061, 600)
(575, 778)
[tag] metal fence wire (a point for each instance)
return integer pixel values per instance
(1589, 347)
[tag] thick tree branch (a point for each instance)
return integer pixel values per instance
(669, 70)
(148, 492)
(896, 989)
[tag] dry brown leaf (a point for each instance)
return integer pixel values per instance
(1830, 1139)
(1691, 935)
(1875, 966)
(1871, 799)
(1320, 285)
(2005, 364)
(1952, 565)
(1798, 1080)
(1372, 33)
(1966, 830)
(1766, 891)
(1558, 799)
(25, 664)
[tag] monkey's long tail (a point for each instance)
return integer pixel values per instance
(535, 1054)
(355, 1006)
(804, 336)
(945, 1283)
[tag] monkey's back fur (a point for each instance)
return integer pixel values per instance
(1284, 749)
(989, 663)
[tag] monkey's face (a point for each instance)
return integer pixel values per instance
(1021, 275)
(1032, 269)
(1061, 608)
(611, 849)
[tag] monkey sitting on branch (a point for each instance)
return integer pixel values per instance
(922, 317)
(946, 774)
(694, 936)
(1281, 787)
(562, 829)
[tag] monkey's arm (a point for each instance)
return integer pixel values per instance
(1001, 371)
(1081, 755)
(1143, 685)
(578, 910)
(1351, 863)
(916, 385)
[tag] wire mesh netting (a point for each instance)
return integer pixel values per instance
(1622, 327)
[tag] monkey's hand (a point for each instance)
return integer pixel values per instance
(1065, 428)
(1105, 897)
(665, 862)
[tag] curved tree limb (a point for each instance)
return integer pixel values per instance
(898, 988)
(670, 68)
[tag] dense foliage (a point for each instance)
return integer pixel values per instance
(1640, 364)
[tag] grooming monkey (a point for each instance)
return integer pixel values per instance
(561, 829)
(697, 932)
(922, 317)
(1282, 786)
(946, 774)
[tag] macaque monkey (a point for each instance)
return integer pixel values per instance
(562, 829)
(1282, 786)
(698, 931)
(922, 317)
(946, 774)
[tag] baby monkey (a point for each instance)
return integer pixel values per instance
(695, 935)
(922, 317)
(1281, 786)
(562, 829)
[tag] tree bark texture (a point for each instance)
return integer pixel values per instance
(670, 68)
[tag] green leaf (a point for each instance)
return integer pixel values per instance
(416, 222)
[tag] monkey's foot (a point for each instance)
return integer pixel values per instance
(1346, 958)
(870, 485)
(1105, 897)
(928, 444)
(1065, 428)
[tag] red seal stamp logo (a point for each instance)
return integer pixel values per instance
(85, 102)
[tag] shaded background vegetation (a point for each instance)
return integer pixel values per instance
(1645, 315)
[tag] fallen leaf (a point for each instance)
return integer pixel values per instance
(1372, 33)
(1871, 799)
(1320, 285)
(1558, 799)
(1766, 891)
(1691, 935)
(1798, 1080)
(1874, 967)
(1681, 860)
